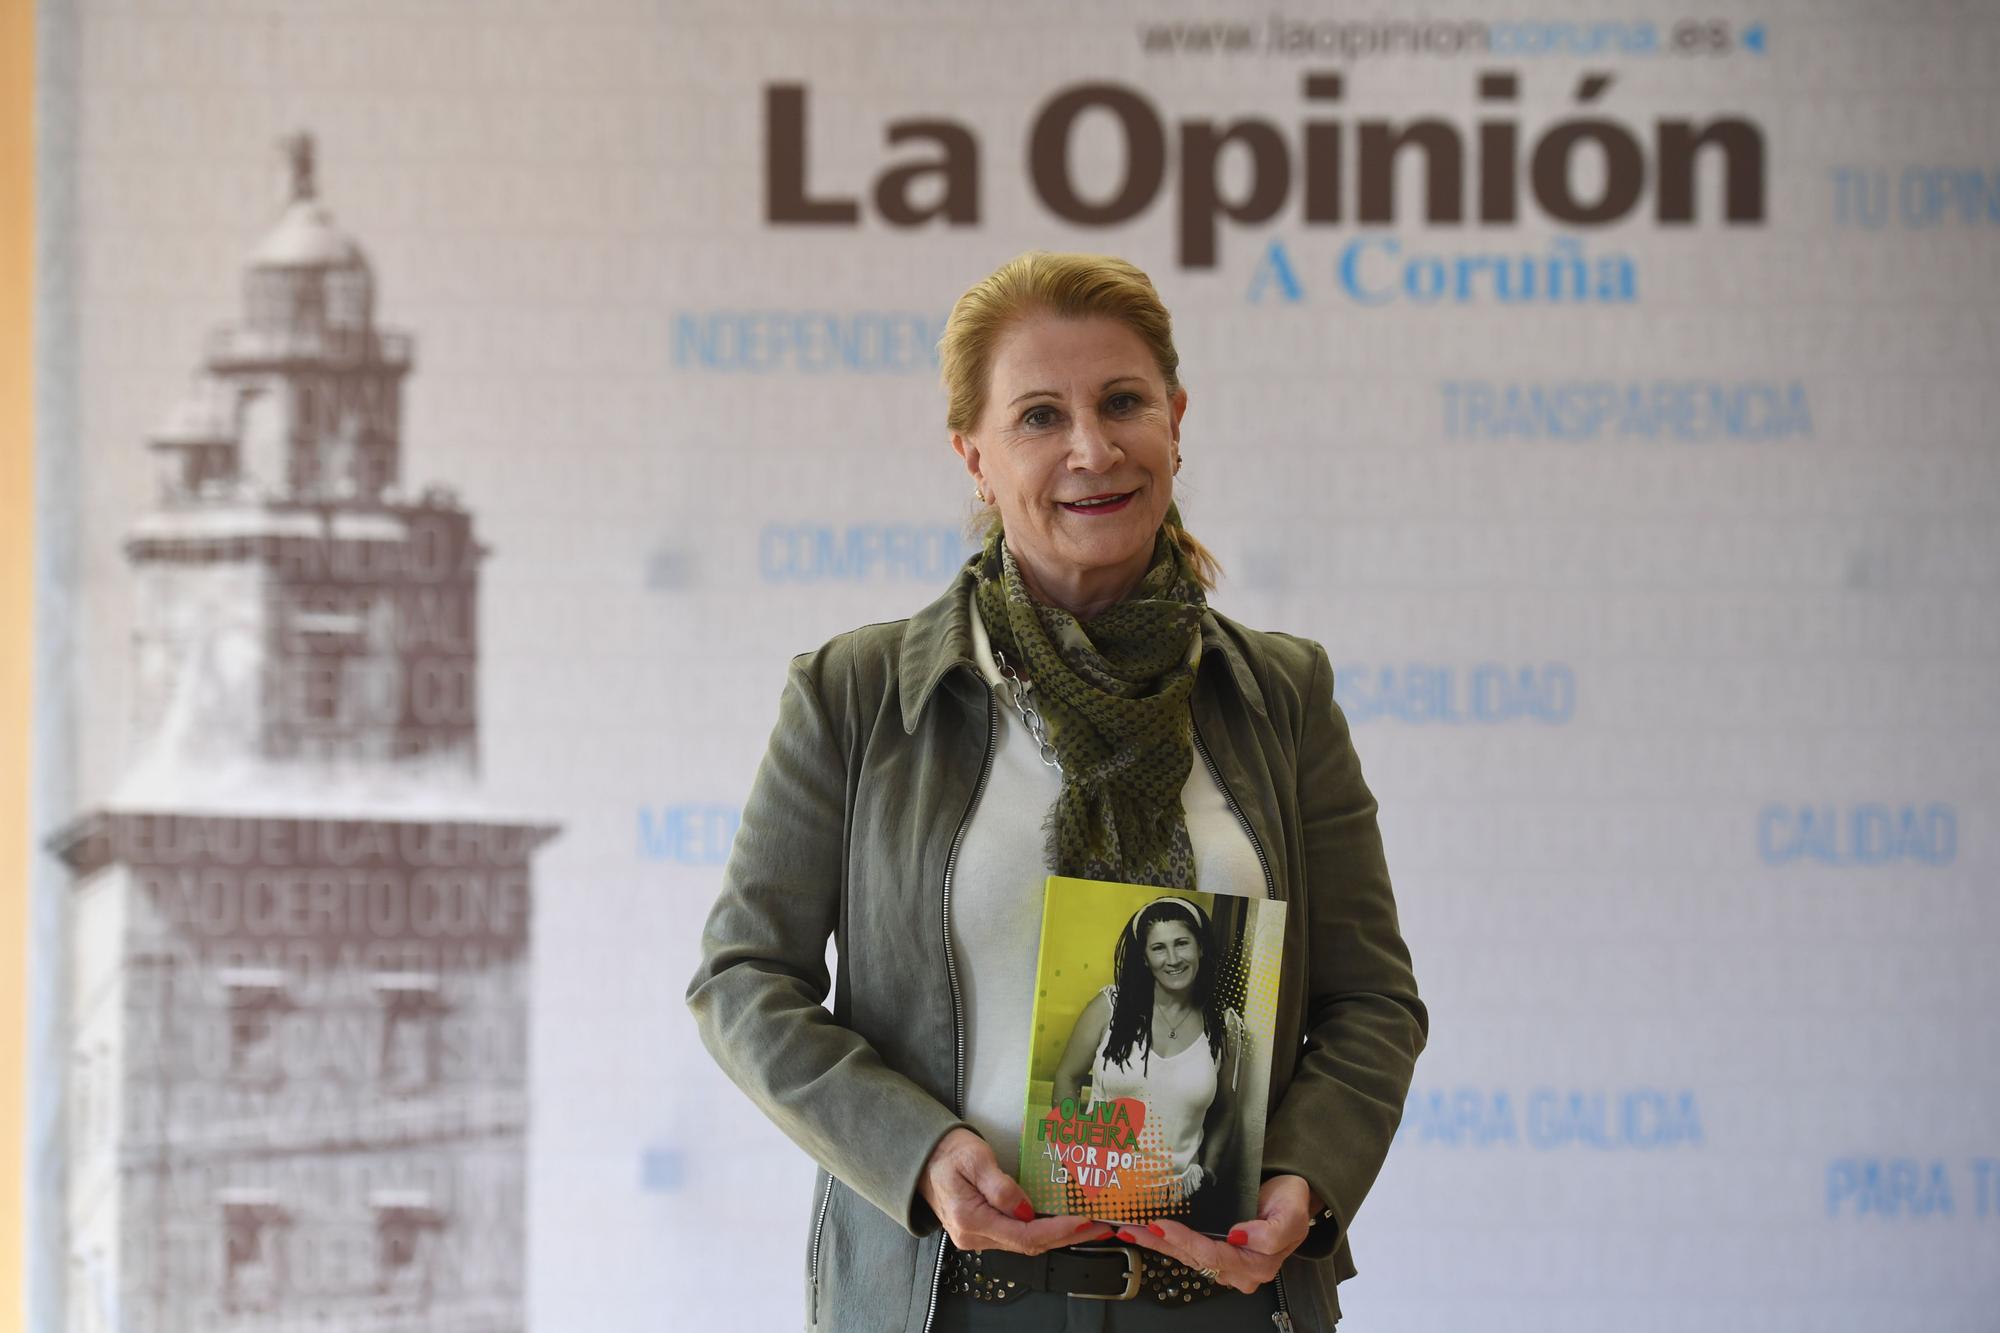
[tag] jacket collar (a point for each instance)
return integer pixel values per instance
(938, 639)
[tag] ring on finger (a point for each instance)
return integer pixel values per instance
(1211, 1274)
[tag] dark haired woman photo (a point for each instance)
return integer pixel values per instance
(1162, 1035)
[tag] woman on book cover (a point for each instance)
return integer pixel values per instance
(1070, 705)
(1162, 1034)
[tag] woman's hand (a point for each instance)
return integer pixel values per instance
(982, 1207)
(1255, 1248)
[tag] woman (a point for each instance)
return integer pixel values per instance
(1163, 1035)
(1053, 700)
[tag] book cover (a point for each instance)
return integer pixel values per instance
(1151, 1057)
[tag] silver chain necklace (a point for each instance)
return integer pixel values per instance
(1020, 691)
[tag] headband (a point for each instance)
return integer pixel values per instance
(1201, 917)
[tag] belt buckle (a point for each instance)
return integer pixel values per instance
(1133, 1272)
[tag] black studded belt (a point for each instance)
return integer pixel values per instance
(1100, 1272)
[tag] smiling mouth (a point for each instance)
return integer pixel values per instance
(1099, 504)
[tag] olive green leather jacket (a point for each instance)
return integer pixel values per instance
(850, 830)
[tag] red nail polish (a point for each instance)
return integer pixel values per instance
(1238, 1236)
(1157, 1230)
(1126, 1236)
(1084, 1226)
(1025, 1211)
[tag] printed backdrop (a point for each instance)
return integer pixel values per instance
(453, 417)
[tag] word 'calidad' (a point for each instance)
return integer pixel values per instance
(942, 182)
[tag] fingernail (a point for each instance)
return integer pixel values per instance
(1157, 1230)
(1126, 1236)
(1238, 1236)
(1025, 1211)
(1084, 1226)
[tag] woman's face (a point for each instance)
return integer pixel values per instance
(1172, 955)
(1077, 447)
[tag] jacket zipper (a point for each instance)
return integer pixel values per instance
(1283, 1318)
(951, 974)
(819, 1225)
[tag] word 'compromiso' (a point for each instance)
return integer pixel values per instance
(943, 183)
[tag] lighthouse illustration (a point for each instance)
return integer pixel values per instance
(298, 939)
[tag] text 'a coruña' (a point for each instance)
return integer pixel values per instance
(1335, 169)
(1376, 270)
(1552, 1118)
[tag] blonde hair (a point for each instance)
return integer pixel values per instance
(1069, 286)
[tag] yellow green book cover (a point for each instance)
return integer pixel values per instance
(1150, 1064)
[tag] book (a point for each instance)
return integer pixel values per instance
(1150, 1064)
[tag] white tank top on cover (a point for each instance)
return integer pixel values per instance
(1176, 1088)
(996, 907)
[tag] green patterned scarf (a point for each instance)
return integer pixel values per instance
(1114, 694)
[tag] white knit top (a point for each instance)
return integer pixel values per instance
(996, 906)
